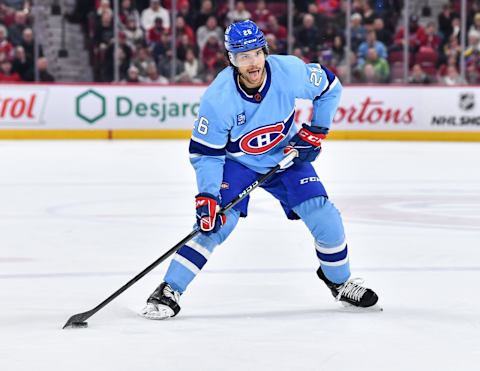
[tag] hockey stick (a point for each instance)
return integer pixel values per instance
(78, 320)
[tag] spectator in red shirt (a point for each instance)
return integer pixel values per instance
(185, 29)
(431, 38)
(416, 34)
(328, 7)
(209, 52)
(6, 74)
(185, 12)
(276, 28)
(155, 33)
(7, 15)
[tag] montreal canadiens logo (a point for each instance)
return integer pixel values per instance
(263, 139)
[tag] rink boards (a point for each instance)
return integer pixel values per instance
(119, 111)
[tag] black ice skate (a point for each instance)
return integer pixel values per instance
(350, 292)
(162, 304)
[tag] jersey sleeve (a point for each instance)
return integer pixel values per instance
(319, 84)
(207, 148)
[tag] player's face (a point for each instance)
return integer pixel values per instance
(251, 66)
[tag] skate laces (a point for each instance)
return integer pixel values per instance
(171, 293)
(352, 289)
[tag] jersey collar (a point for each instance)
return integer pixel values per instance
(262, 92)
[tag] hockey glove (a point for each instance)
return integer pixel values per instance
(308, 143)
(208, 219)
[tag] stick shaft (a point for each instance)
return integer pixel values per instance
(287, 159)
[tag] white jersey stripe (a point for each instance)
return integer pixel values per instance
(236, 154)
(187, 264)
(199, 248)
(330, 250)
(332, 85)
(195, 155)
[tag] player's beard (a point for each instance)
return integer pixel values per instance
(253, 77)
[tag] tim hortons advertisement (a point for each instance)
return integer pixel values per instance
(369, 108)
(404, 109)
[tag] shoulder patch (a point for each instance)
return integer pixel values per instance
(241, 119)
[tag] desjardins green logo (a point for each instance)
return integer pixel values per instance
(91, 106)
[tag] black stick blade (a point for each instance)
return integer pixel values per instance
(78, 320)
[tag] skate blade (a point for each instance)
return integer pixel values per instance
(160, 314)
(346, 307)
(155, 316)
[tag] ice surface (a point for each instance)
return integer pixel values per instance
(79, 219)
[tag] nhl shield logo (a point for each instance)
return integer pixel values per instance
(467, 101)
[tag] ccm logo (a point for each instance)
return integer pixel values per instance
(248, 189)
(309, 180)
(311, 138)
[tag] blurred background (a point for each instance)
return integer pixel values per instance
(181, 41)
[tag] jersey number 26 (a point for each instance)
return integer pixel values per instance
(202, 127)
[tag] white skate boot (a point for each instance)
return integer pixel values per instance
(162, 304)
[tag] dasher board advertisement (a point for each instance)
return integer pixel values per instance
(159, 107)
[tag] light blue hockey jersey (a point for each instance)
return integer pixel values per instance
(254, 130)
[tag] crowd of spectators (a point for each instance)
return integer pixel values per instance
(145, 39)
(17, 54)
(375, 56)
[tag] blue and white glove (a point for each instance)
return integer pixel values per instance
(307, 142)
(208, 219)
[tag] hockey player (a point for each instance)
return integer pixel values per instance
(244, 127)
